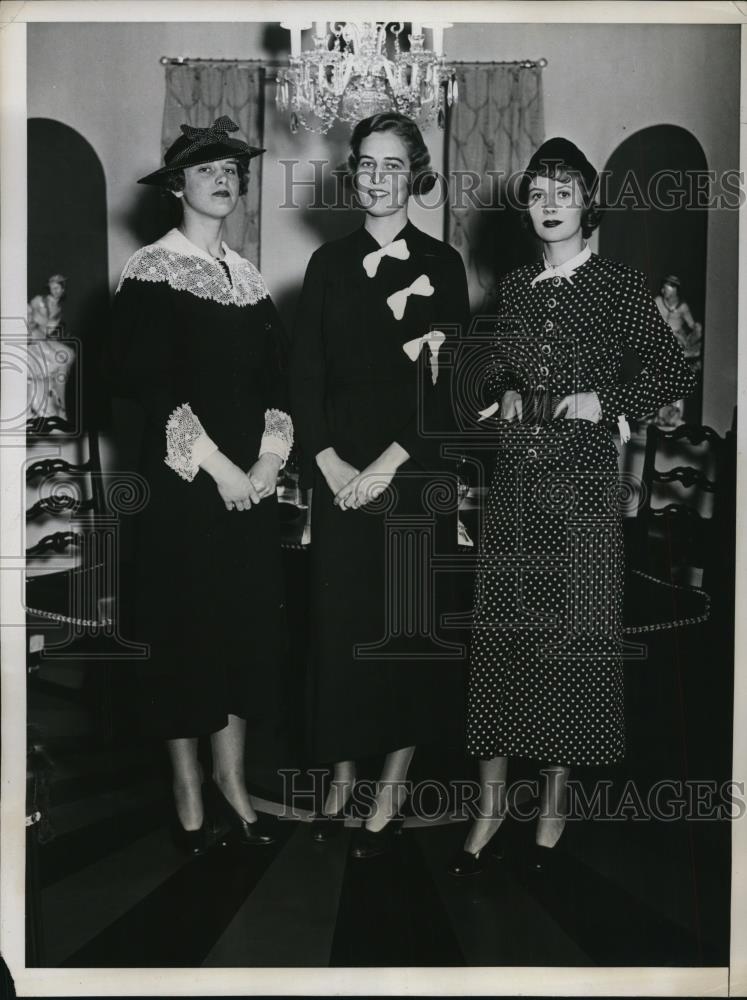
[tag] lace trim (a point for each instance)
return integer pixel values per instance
(278, 435)
(182, 430)
(202, 278)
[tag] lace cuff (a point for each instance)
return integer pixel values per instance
(278, 436)
(187, 444)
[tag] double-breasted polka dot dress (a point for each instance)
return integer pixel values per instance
(546, 679)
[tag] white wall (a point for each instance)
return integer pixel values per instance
(602, 83)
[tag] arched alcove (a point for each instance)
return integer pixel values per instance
(654, 222)
(67, 234)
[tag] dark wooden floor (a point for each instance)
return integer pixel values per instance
(115, 892)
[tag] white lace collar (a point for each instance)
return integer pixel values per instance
(186, 268)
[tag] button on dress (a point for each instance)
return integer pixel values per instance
(384, 674)
(546, 678)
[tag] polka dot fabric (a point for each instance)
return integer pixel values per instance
(546, 678)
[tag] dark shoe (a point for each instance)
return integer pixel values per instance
(256, 834)
(192, 842)
(463, 863)
(496, 846)
(324, 828)
(370, 845)
(543, 860)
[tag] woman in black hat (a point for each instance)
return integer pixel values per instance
(546, 680)
(197, 339)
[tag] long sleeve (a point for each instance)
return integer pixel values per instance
(665, 375)
(505, 367)
(277, 438)
(308, 365)
(423, 435)
(145, 365)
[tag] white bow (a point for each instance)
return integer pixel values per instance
(434, 339)
(397, 249)
(563, 270)
(398, 301)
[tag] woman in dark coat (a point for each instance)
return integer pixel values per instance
(546, 680)
(370, 397)
(196, 338)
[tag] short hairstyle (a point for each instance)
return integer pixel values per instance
(174, 179)
(423, 178)
(557, 170)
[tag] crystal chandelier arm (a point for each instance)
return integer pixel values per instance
(344, 79)
(351, 34)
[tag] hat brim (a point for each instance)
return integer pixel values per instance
(209, 155)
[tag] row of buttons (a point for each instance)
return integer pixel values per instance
(546, 349)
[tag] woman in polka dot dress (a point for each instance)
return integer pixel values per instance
(546, 680)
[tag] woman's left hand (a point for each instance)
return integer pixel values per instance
(579, 406)
(264, 474)
(367, 486)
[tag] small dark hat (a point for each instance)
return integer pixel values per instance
(553, 153)
(202, 145)
(671, 279)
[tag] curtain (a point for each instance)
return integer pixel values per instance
(496, 125)
(197, 95)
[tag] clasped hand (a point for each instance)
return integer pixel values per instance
(366, 487)
(576, 406)
(240, 490)
(353, 488)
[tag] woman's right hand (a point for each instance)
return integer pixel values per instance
(237, 490)
(234, 485)
(336, 471)
(511, 405)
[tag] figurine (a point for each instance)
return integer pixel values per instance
(50, 358)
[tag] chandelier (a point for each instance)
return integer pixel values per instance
(360, 69)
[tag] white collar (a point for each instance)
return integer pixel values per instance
(569, 265)
(564, 270)
(176, 241)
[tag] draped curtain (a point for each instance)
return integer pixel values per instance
(197, 95)
(496, 125)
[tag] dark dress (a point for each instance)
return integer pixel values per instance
(193, 338)
(354, 388)
(546, 679)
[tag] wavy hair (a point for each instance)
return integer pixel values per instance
(423, 177)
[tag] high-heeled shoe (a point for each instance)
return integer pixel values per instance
(367, 844)
(251, 834)
(324, 828)
(192, 842)
(546, 860)
(465, 863)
